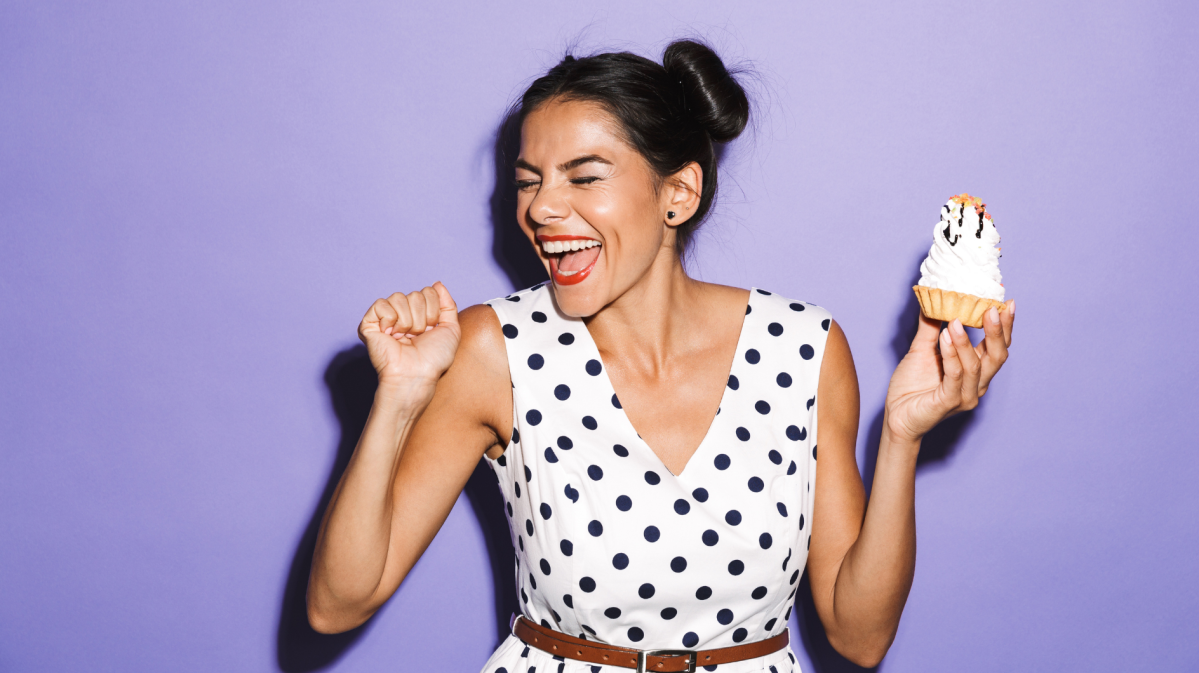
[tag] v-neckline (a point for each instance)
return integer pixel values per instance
(715, 417)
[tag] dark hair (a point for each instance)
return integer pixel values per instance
(670, 113)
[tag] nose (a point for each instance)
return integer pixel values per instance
(548, 206)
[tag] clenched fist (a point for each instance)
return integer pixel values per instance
(411, 339)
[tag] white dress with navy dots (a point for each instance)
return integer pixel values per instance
(610, 546)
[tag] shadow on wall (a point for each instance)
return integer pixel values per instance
(937, 447)
(351, 381)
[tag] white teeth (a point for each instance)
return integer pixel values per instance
(566, 273)
(555, 247)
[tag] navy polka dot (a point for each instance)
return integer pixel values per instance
(615, 401)
(725, 616)
(796, 307)
(635, 634)
(711, 537)
(595, 528)
(775, 329)
(529, 526)
(652, 534)
(536, 361)
(690, 639)
(736, 567)
(824, 324)
(796, 434)
(538, 317)
(813, 453)
(733, 382)
(646, 590)
(762, 407)
(811, 402)
(752, 356)
(758, 593)
(775, 457)
(595, 472)
(806, 352)
(571, 493)
(612, 613)
(528, 474)
(682, 506)
(594, 367)
(565, 443)
(545, 567)
(652, 478)
(764, 292)
(764, 540)
(587, 584)
(620, 451)
(703, 593)
(700, 494)
(722, 462)
(755, 484)
(624, 503)
(783, 509)
(546, 512)
(791, 468)
(794, 576)
(783, 379)
(562, 392)
(770, 625)
(740, 635)
(801, 521)
(567, 547)
(533, 417)
(589, 423)
(620, 561)
(733, 517)
(566, 338)
(510, 331)
(669, 613)
(743, 434)
(678, 564)
(516, 487)
(550, 456)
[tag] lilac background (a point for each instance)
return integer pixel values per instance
(198, 202)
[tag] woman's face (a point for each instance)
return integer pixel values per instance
(587, 202)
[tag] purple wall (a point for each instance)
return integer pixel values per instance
(197, 204)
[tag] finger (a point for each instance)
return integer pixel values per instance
(1007, 319)
(380, 315)
(950, 390)
(447, 310)
(971, 366)
(403, 322)
(432, 306)
(927, 330)
(993, 348)
(416, 302)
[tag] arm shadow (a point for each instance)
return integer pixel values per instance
(351, 381)
(937, 447)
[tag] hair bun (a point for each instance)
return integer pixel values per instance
(715, 99)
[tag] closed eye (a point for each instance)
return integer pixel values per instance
(525, 185)
(584, 181)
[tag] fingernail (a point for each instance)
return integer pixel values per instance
(387, 331)
(957, 328)
(1013, 308)
(993, 315)
(428, 328)
(945, 341)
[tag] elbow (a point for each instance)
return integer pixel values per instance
(327, 621)
(864, 652)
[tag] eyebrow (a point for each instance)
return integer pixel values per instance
(573, 163)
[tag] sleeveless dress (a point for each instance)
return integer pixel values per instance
(613, 547)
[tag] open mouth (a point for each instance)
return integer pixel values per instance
(571, 257)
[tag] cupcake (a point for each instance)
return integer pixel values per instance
(960, 277)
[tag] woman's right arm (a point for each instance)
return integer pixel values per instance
(444, 398)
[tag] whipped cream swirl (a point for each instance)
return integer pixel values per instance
(964, 257)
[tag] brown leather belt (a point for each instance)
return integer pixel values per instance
(666, 661)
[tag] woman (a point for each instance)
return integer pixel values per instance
(655, 437)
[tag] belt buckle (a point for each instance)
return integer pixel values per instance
(644, 655)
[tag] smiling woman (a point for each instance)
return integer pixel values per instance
(654, 437)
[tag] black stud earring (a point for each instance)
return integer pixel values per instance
(670, 214)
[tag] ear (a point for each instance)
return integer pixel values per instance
(681, 193)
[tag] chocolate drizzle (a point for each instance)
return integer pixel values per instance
(949, 226)
(981, 213)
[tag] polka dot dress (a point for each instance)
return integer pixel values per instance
(610, 546)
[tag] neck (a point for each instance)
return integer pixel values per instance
(654, 318)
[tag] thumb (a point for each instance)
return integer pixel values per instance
(447, 309)
(927, 332)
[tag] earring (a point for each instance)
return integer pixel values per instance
(670, 214)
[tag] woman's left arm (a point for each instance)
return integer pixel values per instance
(862, 559)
